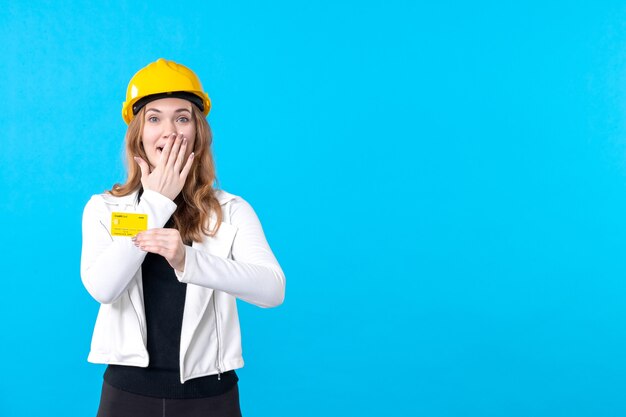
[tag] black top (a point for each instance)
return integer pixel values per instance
(164, 300)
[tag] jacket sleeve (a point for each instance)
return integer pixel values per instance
(109, 263)
(253, 274)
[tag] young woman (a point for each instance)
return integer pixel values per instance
(166, 255)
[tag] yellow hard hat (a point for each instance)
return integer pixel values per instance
(163, 79)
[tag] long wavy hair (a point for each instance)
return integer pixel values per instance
(197, 199)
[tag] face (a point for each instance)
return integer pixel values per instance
(163, 118)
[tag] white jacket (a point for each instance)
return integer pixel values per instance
(236, 263)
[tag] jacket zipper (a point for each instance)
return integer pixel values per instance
(141, 329)
(138, 321)
(217, 329)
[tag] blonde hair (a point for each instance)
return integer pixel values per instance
(197, 199)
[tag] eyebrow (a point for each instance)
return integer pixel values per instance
(175, 111)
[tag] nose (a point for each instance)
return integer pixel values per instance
(169, 128)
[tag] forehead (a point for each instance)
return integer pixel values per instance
(172, 104)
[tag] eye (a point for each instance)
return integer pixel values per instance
(183, 119)
(153, 119)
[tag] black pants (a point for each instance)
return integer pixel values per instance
(118, 403)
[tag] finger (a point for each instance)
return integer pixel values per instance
(143, 166)
(167, 149)
(163, 245)
(152, 249)
(181, 156)
(167, 240)
(171, 160)
(187, 167)
(157, 231)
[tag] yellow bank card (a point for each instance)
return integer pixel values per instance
(128, 224)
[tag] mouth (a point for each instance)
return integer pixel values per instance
(159, 150)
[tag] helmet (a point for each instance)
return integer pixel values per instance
(163, 79)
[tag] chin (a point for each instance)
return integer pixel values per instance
(152, 164)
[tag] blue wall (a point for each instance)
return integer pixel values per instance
(444, 186)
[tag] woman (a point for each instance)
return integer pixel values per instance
(166, 255)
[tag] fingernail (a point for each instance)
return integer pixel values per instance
(191, 156)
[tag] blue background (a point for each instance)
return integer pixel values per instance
(443, 185)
